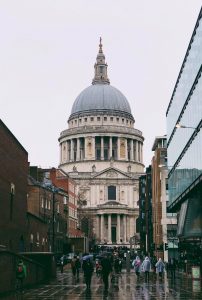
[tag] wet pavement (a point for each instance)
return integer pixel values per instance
(126, 286)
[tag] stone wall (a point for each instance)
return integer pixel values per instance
(8, 261)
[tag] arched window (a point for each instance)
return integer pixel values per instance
(111, 192)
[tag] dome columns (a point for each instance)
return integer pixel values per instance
(101, 148)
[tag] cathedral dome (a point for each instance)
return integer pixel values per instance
(100, 97)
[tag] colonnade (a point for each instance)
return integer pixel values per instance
(101, 148)
(120, 222)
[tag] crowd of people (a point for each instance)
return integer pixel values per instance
(108, 266)
(107, 263)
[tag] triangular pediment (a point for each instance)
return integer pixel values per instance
(112, 173)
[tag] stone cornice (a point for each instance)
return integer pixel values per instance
(95, 130)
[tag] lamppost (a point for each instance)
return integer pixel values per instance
(178, 125)
(54, 191)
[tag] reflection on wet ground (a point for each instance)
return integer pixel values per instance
(125, 286)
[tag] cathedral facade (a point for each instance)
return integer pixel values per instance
(102, 151)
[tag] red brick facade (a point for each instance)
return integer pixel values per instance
(13, 191)
(62, 180)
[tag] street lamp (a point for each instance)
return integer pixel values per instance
(178, 125)
(54, 190)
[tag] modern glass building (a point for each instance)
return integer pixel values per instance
(184, 143)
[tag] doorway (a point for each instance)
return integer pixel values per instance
(113, 234)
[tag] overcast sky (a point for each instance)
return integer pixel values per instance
(47, 54)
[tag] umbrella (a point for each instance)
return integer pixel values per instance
(89, 256)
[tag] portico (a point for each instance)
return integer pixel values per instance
(115, 225)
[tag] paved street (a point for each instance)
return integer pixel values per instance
(126, 287)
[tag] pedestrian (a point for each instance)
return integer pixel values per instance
(73, 266)
(21, 274)
(98, 267)
(88, 272)
(120, 265)
(160, 266)
(77, 266)
(62, 258)
(106, 270)
(172, 267)
(146, 267)
(116, 265)
(137, 266)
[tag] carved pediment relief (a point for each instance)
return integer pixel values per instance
(112, 173)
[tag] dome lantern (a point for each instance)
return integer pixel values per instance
(100, 68)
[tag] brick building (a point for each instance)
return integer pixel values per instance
(47, 216)
(160, 153)
(13, 191)
(145, 213)
(61, 179)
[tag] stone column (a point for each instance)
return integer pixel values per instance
(109, 229)
(78, 149)
(102, 148)
(137, 149)
(141, 153)
(61, 153)
(124, 228)
(102, 228)
(126, 143)
(66, 150)
(72, 150)
(98, 226)
(110, 146)
(131, 150)
(85, 148)
(118, 229)
(118, 148)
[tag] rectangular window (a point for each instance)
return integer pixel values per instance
(111, 119)
(65, 200)
(105, 118)
(98, 154)
(85, 119)
(117, 119)
(92, 119)
(98, 118)
(122, 120)
(111, 193)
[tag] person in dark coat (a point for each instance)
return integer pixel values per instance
(172, 267)
(88, 272)
(77, 267)
(106, 270)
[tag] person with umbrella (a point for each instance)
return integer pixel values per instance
(88, 269)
